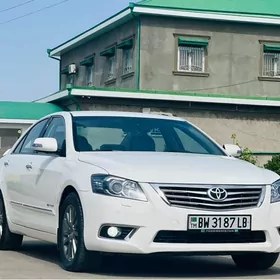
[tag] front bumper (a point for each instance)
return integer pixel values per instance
(149, 218)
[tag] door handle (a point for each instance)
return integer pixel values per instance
(6, 163)
(29, 166)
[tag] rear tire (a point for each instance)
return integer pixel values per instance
(73, 253)
(8, 241)
(255, 261)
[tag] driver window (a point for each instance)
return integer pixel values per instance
(56, 129)
(34, 133)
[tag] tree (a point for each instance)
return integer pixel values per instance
(247, 153)
(274, 164)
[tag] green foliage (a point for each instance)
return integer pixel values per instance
(274, 164)
(247, 153)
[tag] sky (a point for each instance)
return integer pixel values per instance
(26, 72)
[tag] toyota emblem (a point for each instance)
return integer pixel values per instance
(217, 194)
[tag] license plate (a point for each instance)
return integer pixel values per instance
(219, 223)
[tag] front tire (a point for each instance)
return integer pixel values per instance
(73, 253)
(8, 240)
(255, 261)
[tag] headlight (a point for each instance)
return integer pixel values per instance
(275, 192)
(115, 186)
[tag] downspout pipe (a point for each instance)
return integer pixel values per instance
(58, 59)
(138, 58)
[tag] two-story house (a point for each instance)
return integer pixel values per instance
(216, 63)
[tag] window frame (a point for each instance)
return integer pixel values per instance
(22, 140)
(194, 41)
(127, 46)
(58, 153)
(191, 64)
(89, 63)
(263, 45)
(111, 63)
(110, 54)
(89, 69)
(127, 61)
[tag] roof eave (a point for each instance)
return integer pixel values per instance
(206, 15)
(116, 19)
(163, 96)
(53, 97)
(196, 98)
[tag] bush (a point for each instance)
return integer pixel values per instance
(247, 153)
(274, 164)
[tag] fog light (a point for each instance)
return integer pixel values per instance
(117, 232)
(114, 232)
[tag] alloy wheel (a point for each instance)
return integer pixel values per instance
(70, 233)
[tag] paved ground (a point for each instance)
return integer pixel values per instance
(39, 260)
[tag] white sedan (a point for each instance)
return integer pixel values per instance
(130, 183)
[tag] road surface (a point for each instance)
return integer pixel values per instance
(38, 260)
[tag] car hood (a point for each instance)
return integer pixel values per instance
(179, 168)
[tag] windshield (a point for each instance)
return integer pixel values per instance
(140, 134)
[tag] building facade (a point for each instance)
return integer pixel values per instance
(216, 64)
(168, 53)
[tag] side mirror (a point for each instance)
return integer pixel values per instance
(46, 145)
(6, 152)
(233, 150)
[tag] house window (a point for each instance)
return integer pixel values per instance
(89, 71)
(127, 61)
(127, 56)
(191, 55)
(271, 61)
(110, 55)
(89, 75)
(111, 67)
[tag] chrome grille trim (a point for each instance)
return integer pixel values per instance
(195, 196)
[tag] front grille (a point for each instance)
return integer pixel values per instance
(196, 196)
(217, 237)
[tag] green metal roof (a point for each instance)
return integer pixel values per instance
(26, 110)
(250, 7)
(267, 9)
(170, 93)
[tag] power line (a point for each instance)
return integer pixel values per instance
(16, 6)
(34, 12)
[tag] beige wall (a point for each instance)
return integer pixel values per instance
(96, 46)
(234, 56)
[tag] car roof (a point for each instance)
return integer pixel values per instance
(123, 114)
